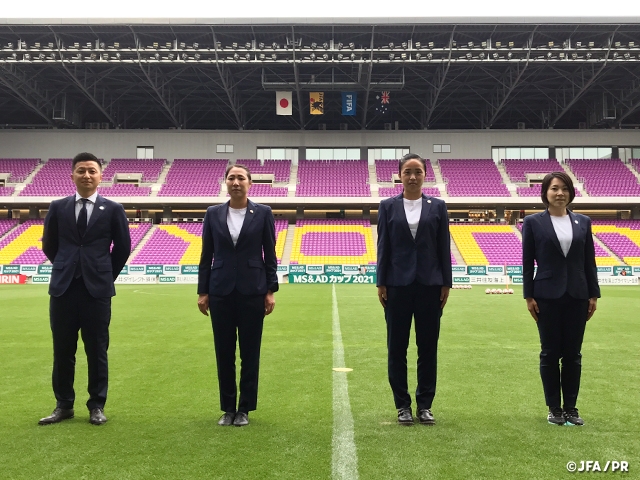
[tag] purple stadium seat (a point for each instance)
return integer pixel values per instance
(605, 178)
(326, 178)
(473, 178)
(194, 178)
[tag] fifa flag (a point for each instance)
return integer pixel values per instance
(283, 103)
(316, 103)
(349, 103)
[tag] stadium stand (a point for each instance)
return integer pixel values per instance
(53, 179)
(605, 178)
(6, 191)
(622, 237)
(23, 245)
(150, 169)
(635, 163)
(333, 178)
(386, 168)
(473, 178)
(194, 178)
(517, 169)
(124, 190)
(535, 190)
(281, 169)
(6, 225)
(333, 242)
(482, 244)
(137, 231)
(18, 168)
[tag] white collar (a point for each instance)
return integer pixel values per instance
(92, 198)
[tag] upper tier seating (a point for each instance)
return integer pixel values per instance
(53, 180)
(149, 168)
(517, 169)
(386, 168)
(124, 190)
(333, 242)
(6, 191)
(605, 178)
(18, 168)
(194, 178)
(23, 245)
(473, 178)
(635, 163)
(333, 178)
(281, 169)
(397, 190)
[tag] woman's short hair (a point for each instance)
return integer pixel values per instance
(411, 156)
(237, 165)
(560, 176)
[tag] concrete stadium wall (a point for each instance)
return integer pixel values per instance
(202, 144)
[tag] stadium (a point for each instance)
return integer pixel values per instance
(320, 110)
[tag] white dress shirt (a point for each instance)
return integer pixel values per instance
(564, 231)
(413, 209)
(235, 219)
(92, 201)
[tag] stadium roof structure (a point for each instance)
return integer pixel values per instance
(442, 73)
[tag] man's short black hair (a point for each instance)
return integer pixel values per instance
(546, 182)
(86, 157)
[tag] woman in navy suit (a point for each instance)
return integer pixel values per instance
(237, 289)
(563, 295)
(414, 278)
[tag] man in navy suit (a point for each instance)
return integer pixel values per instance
(563, 295)
(237, 289)
(414, 278)
(78, 233)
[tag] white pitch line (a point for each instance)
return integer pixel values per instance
(344, 457)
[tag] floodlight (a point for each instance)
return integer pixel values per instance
(171, 56)
(53, 56)
(404, 45)
(617, 44)
(592, 44)
(483, 44)
(578, 44)
(168, 45)
(234, 45)
(196, 56)
(185, 56)
(325, 45)
(27, 56)
(430, 44)
(509, 55)
(236, 57)
(574, 56)
(75, 45)
(102, 45)
(627, 56)
(157, 56)
(588, 55)
(418, 56)
(391, 45)
(247, 56)
(41, 56)
(79, 56)
(325, 57)
(391, 56)
(549, 55)
(352, 57)
(417, 44)
(498, 44)
(183, 45)
(495, 56)
(105, 56)
(312, 56)
(118, 56)
(429, 56)
(632, 44)
(550, 44)
(261, 46)
(511, 44)
(340, 45)
(93, 56)
(468, 55)
(314, 45)
(340, 56)
(403, 56)
(36, 45)
(262, 56)
(481, 56)
(247, 45)
(116, 44)
(155, 44)
(89, 45)
(196, 45)
(470, 44)
(274, 57)
(353, 45)
(10, 45)
(274, 45)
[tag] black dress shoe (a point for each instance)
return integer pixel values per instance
(58, 415)
(226, 420)
(405, 417)
(425, 417)
(96, 416)
(241, 419)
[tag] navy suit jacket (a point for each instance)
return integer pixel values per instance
(62, 245)
(403, 260)
(241, 266)
(575, 274)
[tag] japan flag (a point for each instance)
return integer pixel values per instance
(283, 103)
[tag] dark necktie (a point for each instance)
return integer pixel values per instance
(82, 218)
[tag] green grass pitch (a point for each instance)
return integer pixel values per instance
(163, 403)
